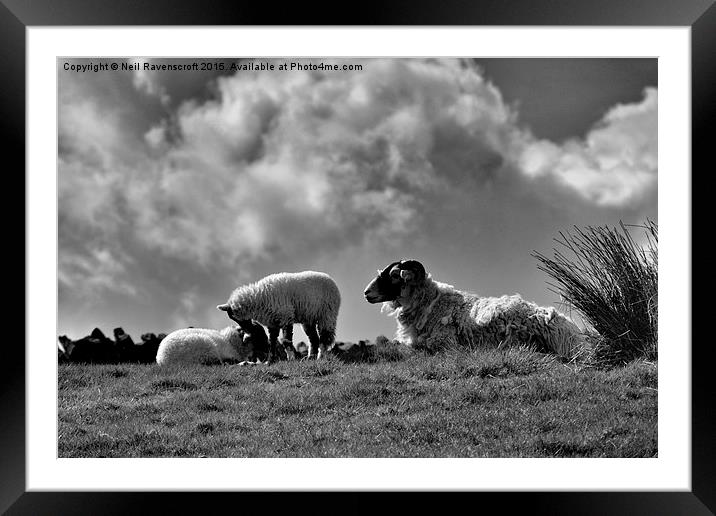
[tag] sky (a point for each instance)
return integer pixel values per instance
(176, 186)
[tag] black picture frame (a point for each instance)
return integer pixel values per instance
(700, 15)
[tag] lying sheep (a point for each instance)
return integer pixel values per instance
(204, 346)
(433, 315)
(281, 300)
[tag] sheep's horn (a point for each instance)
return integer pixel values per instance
(225, 307)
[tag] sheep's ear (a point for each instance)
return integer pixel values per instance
(224, 308)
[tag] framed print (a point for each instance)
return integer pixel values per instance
(179, 163)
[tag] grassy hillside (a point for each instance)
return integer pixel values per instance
(512, 403)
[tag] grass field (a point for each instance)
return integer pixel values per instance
(512, 403)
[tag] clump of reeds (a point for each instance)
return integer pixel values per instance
(611, 280)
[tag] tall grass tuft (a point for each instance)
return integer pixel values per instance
(611, 280)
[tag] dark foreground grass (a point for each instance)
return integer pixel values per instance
(512, 403)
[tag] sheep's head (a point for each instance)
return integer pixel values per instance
(234, 335)
(395, 281)
(240, 341)
(255, 340)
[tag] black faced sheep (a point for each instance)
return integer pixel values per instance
(433, 315)
(281, 300)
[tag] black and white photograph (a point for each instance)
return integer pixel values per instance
(347, 258)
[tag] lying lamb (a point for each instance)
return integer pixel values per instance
(433, 315)
(205, 346)
(281, 300)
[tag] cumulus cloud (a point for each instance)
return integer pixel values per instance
(269, 164)
(305, 163)
(289, 162)
(615, 164)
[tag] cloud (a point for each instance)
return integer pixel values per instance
(614, 165)
(96, 271)
(287, 163)
(298, 165)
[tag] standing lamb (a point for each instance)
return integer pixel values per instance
(433, 315)
(281, 300)
(204, 346)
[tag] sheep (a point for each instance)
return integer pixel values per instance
(433, 315)
(281, 300)
(206, 346)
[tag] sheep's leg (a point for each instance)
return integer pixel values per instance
(287, 342)
(313, 340)
(327, 337)
(273, 343)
